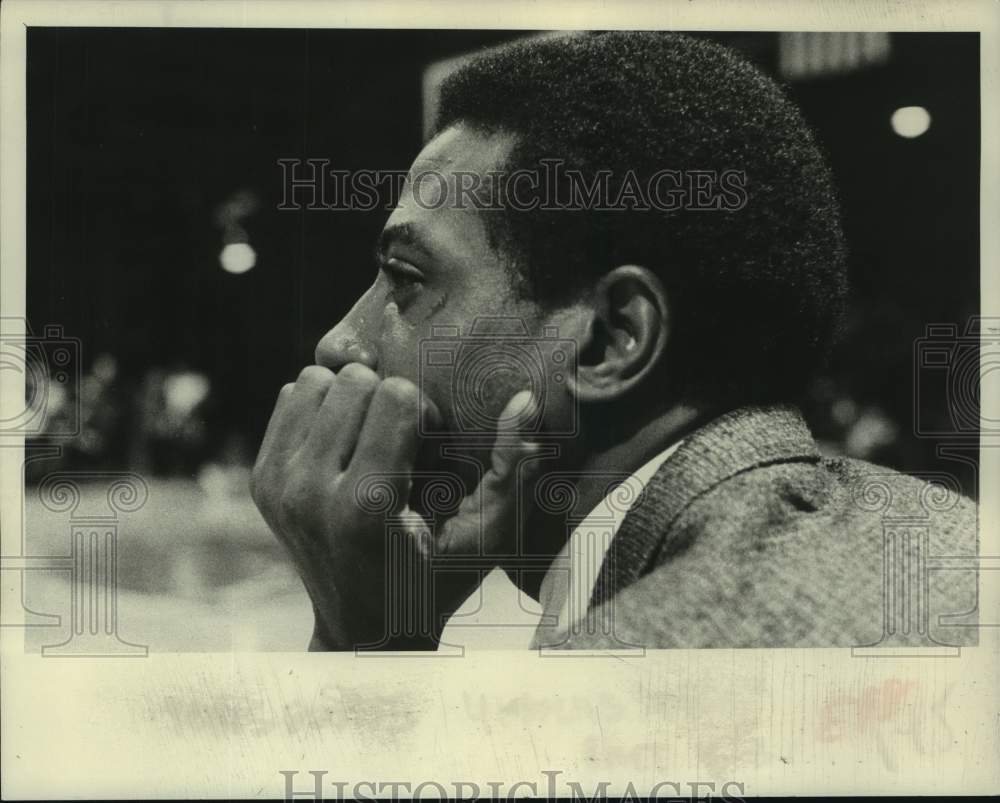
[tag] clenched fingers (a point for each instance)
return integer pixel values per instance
(340, 417)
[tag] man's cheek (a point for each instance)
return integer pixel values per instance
(397, 344)
(496, 388)
(395, 329)
(472, 398)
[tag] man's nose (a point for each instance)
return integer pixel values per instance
(348, 341)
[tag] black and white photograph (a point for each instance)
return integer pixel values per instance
(362, 378)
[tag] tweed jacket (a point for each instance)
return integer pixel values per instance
(748, 537)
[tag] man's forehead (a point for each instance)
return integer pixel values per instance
(461, 149)
(430, 202)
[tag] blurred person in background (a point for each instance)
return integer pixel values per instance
(171, 433)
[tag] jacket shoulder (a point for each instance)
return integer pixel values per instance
(801, 553)
(842, 495)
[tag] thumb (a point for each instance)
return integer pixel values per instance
(514, 430)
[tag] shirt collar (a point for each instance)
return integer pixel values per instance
(569, 583)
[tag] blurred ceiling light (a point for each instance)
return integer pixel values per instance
(237, 258)
(911, 121)
(809, 54)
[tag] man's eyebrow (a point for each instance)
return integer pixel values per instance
(403, 233)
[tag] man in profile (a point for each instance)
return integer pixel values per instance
(695, 278)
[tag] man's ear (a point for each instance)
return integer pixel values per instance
(625, 336)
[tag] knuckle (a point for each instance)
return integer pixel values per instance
(315, 375)
(357, 373)
(399, 392)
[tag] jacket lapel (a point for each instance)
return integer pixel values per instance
(733, 443)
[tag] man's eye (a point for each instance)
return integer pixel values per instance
(403, 277)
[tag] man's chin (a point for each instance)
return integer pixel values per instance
(440, 482)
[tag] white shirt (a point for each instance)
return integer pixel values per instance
(569, 583)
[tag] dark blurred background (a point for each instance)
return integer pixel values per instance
(150, 150)
(154, 239)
